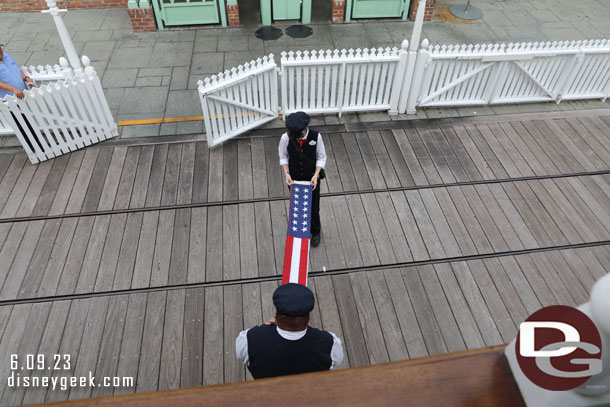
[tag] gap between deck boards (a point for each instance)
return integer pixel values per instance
(312, 274)
(274, 199)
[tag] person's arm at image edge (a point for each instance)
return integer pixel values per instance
(17, 92)
(336, 353)
(241, 347)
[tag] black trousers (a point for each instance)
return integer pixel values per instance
(25, 135)
(316, 225)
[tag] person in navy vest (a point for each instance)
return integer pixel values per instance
(287, 344)
(302, 157)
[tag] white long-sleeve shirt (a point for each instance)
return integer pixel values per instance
(320, 150)
(241, 345)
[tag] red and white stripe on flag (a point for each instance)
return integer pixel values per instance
(296, 256)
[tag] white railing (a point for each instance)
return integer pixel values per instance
(60, 117)
(41, 75)
(459, 75)
(400, 80)
(341, 80)
(239, 100)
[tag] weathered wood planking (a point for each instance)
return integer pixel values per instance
(182, 338)
(230, 242)
(139, 176)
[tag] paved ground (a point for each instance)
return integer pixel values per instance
(151, 75)
(146, 261)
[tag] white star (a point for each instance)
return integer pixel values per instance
(305, 203)
(296, 202)
(304, 215)
(304, 229)
(305, 223)
(294, 229)
(296, 196)
(296, 189)
(294, 222)
(296, 209)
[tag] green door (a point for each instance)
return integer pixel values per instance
(378, 8)
(286, 9)
(188, 12)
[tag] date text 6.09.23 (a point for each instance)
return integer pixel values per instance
(40, 362)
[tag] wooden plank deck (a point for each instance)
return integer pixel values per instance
(114, 178)
(127, 251)
(146, 261)
(383, 315)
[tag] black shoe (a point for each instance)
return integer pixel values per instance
(315, 240)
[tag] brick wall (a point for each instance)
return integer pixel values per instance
(142, 19)
(338, 11)
(233, 15)
(427, 13)
(37, 5)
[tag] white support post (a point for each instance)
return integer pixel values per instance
(420, 66)
(64, 35)
(66, 71)
(413, 57)
(406, 84)
(400, 78)
(419, 23)
(284, 86)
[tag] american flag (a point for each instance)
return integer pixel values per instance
(296, 257)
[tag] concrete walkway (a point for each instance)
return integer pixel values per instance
(153, 75)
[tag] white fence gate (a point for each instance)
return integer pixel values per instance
(61, 116)
(461, 75)
(398, 80)
(238, 100)
(339, 81)
(40, 75)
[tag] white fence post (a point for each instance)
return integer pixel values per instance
(274, 90)
(420, 66)
(64, 35)
(67, 72)
(284, 89)
(401, 78)
(408, 81)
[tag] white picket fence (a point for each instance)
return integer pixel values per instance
(400, 80)
(338, 81)
(239, 100)
(460, 75)
(41, 75)
(61, 116)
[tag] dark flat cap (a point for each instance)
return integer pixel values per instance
(293, 300)
(297, 121)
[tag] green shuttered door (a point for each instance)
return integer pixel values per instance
(187, 12)
(286, 9)
(377, 8)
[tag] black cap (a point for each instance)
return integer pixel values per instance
(293, 300)
(297, 121)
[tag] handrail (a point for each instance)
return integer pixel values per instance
(478, 377)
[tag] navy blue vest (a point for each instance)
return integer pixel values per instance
(302, 160)
(271, 355)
